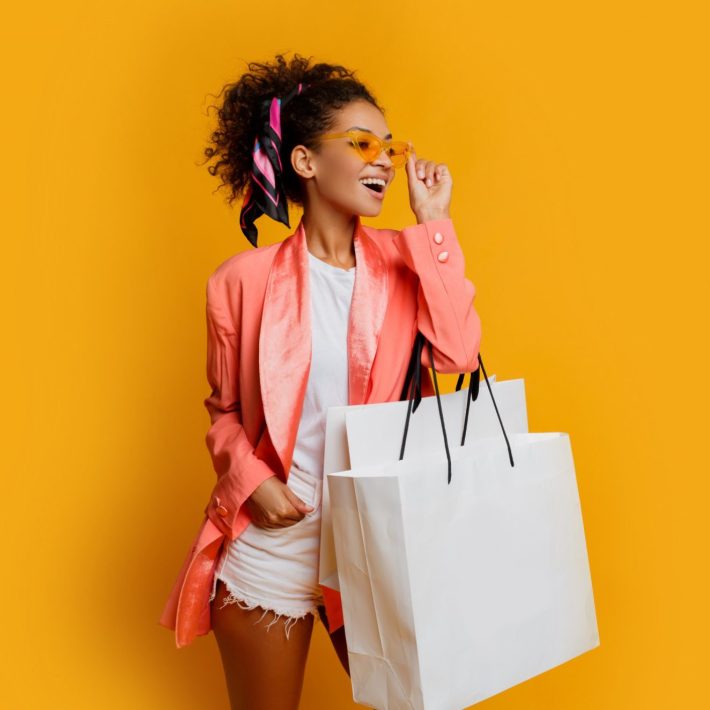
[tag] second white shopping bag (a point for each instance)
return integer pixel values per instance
(461, 575)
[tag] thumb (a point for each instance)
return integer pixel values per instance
(297, 503)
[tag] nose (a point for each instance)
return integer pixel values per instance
(386, 163)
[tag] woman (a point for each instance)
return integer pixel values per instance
(326, 317)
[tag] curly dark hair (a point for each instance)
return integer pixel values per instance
(308, 114)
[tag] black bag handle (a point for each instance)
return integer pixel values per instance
(473, 386)
(473, 383)
(414, 384)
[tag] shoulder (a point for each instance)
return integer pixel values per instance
(246, 271)
(243, 266)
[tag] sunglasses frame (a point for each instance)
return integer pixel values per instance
(384, 144)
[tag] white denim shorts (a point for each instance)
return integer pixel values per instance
(277, 569)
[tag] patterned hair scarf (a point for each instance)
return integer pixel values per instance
(265, 194)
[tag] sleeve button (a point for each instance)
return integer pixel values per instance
(438, 237)
(443, 255)
(221, 510)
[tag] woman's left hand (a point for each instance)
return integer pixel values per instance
(429, 188)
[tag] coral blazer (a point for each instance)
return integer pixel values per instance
(258, 360)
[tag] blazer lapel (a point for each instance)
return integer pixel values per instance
(285, 332)
(367, 312)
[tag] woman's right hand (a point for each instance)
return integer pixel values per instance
(274, 505)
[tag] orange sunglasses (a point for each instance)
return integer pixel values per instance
(369, 146)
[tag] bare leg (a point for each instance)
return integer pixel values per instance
(338, 640)
(263, 669)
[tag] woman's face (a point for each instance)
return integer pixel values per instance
(333, 174)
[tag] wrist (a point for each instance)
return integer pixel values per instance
(428, 215)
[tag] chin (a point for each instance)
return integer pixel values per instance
(371, 208)
(363, 207)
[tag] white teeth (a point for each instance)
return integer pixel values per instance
(373, 181)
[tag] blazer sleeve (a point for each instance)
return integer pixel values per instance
(239, 470)
(445, 312)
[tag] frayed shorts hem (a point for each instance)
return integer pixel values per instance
(244, 601)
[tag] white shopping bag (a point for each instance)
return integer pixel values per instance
(378, 428)
(455, 591)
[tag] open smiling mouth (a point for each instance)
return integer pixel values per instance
(377, 188)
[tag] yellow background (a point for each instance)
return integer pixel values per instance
(577, 139)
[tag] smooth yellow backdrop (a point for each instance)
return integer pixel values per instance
(577, 140)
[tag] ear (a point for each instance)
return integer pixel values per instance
(302, 161)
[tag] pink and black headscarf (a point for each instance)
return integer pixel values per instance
(265, 194)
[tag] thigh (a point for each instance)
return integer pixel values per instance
(263, 669)
(337, 638)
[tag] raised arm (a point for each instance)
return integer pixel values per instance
(445, 312)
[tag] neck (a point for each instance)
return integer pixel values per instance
(329, 236)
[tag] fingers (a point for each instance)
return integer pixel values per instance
(296, 502)
(429, 171)
(291, 514)
(274, 521)
(282, 509)
(295, 511)
(425, 171)
(441, 171)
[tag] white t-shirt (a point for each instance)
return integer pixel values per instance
(331, 293)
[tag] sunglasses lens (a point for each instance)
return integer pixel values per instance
(398, 153)
(370, 147)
